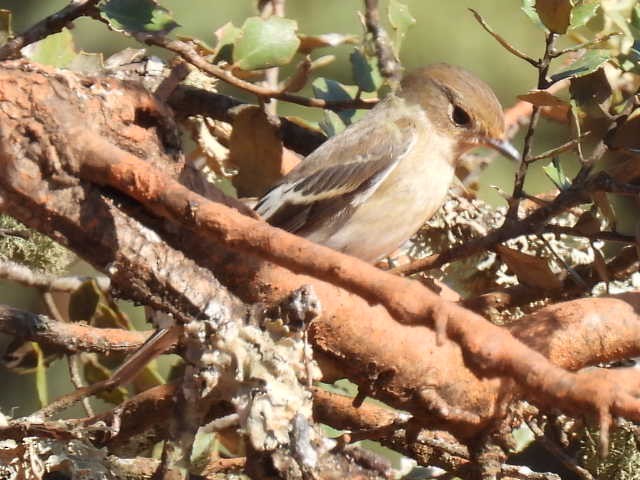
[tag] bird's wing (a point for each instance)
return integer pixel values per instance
(341, 173)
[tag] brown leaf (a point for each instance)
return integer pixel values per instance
(600, 266)
(542, 98)
(592, 94)
(588, 223)
(530, 270)
(555, 14)
(298, 80)
(601, 199)
(311, 42)
(637, 232)
(256, 150)
(626, 135)
(559, 113)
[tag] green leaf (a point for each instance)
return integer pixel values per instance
(584, 11)
(6, 31)
(556, 174)
(331, 124)
(401, 20)
(41, 376)
(57, 50)
(365, 71)
(529, 8)
(266, 43)
(588, 63)
(137, 16)
(634, 21)
(523, 437)
(226, 35)
(554, 14)
(95, 372)
(333, 91)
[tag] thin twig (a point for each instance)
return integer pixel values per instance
(503, 42)
(534, 223)
(268, 9)
(581, 46)
(73, 360)
(558, 452)
(606, 236)
(189, 53)
(47, 26)
(543, 83)
(570, 145)
(571, 271)
(387, 62)
(16, 232)
(22, 274)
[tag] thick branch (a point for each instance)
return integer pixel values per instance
(489, 347)
(68, 337)
(410, 365)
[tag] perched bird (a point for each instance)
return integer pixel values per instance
(367, 190)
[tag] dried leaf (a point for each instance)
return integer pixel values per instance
(84, 302)
(298, 80)
(592, 93)
(206, 132)
(95, 372)
(637, 232)
(530, 270)
(588, 223)
(600, 265)
(6, 30)
(311, 42)
(626, 135)
(542, 98)
(322, 61)
(256, 149)
(601, 199)
(555, 14)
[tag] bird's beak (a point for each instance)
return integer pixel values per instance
(502, 146)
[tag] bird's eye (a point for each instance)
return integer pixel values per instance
(460, 117)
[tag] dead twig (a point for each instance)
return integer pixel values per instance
(47, 26)
(388, 63)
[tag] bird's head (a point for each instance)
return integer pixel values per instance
(459, 105)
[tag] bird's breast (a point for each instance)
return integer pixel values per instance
(408, 197)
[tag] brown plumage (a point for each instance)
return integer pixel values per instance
(367, 190)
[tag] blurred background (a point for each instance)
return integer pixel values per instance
(445, 31)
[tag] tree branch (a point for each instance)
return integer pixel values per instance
(47, 26)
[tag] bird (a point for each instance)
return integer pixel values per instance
(368, 189)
